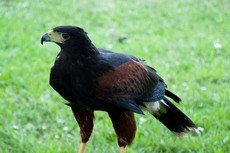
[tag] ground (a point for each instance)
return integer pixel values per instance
(186, 41)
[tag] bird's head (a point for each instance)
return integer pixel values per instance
(67, 37)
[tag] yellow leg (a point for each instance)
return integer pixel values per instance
(82, 148)
(122, 149)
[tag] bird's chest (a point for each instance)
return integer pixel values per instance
(71, 81)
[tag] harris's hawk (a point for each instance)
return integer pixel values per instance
(95, 79)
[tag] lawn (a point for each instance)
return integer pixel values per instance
(187, 41)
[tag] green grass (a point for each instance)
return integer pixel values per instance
(175, 37)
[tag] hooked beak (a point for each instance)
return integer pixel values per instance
(46, 38)
(53, 36)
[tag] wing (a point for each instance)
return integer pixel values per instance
(111, 55)
(127, 83)
(128, 80)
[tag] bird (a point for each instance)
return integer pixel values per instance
(92, 79)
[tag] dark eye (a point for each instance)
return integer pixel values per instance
(65, 36)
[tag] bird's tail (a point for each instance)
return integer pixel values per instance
(168, 114)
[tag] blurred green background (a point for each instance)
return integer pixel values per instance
(187, 41)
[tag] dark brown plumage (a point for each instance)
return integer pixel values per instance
(124, 125)
(95, 79)
(85, 120)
